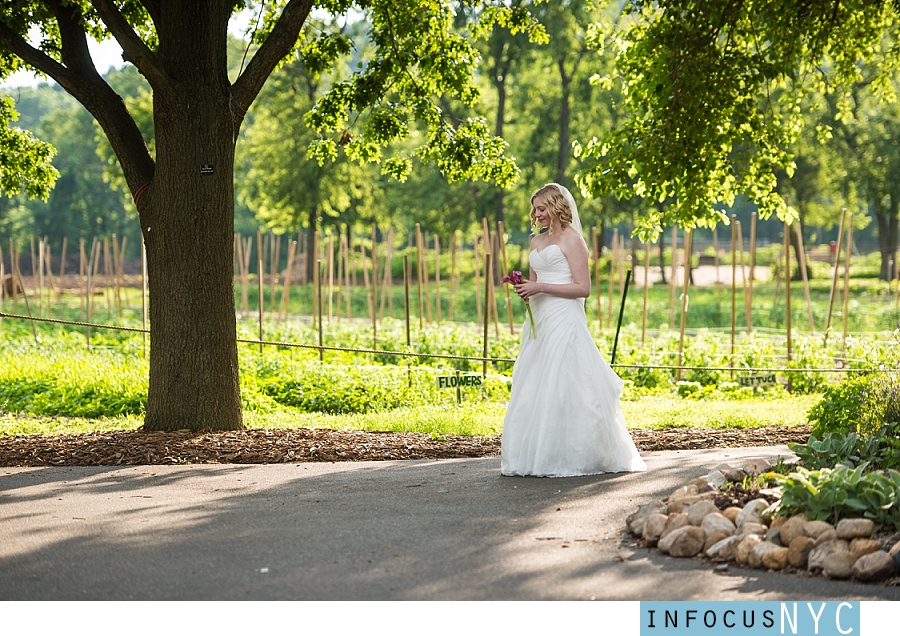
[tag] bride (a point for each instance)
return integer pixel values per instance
(563, 417)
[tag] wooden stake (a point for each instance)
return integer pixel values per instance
(646, 287)
(40, 276)
(262, 303)
(688, 234)
(143, 291)
(802, 257)
(787, 289)
(317, 287)
(503, 264)
(117, 275)
(752, 255)
(487, 299)
(122, 246)
(419, 271)
(834, 281)
(374, 287)
(477, 258)
(349, 292)
(849, 254)
(733, 286)
(82, 275)
(613, 258)
(595, 240)
(747, 309)
(330, 272)
(672, 283)
(286, 292)
(425, 277)
(453, 238)
(62, 268)
(387, 282)
(437, 278)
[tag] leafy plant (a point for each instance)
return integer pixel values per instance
(834, 494)
(881, 450)
(861, 404)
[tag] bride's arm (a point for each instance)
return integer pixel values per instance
(575, 251)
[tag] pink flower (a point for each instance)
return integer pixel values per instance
(516, 278)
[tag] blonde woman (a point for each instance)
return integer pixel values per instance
(563, 417)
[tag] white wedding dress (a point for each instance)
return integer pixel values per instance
(563, 417)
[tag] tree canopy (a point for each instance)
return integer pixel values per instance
(713, 88)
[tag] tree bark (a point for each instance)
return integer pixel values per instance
(187, 219)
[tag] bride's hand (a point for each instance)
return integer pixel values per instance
(527, 289)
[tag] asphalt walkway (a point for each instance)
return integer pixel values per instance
(424, 530)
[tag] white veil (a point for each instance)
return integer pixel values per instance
(576, 221)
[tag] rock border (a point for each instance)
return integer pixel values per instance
(708, 520)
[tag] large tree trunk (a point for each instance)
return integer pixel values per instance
(187, 217)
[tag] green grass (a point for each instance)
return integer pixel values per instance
(478, 419)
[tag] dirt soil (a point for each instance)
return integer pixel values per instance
(271, 446)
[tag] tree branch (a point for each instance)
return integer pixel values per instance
(133, 47)
(277, 45)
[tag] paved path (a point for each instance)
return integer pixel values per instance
(434, 530)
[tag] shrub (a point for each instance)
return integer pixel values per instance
(861, 404)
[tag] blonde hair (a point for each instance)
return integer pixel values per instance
(556, 206)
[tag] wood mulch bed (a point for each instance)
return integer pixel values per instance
(272, 446)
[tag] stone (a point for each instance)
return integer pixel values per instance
(839, 565)
(746, 544)
(874, 567)
(654, 527)
(689, 543)
(894, 551)
(816, 528)
(735, 475)
(821, 552)
(717, 522)
(860, 547)
(699, 482)
(798, 551)
(645, 509)
(724, 550)
(751, 512)
(825, 537)
(637, 525)
(668, 538)
(680, 505)
(754, 557)
(853, 528)
(755, 467)
(731, 513)
(698, 510)
(775, 559)
(792, 528)
(778, 521)
(712, 539)
(675, 521)
(773, 535)
(685, 491)
(716, 479)
(751, 527)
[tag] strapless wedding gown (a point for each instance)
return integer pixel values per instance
(563, 417)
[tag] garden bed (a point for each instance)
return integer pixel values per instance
(270, 446)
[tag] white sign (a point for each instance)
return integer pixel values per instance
(763, 379)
